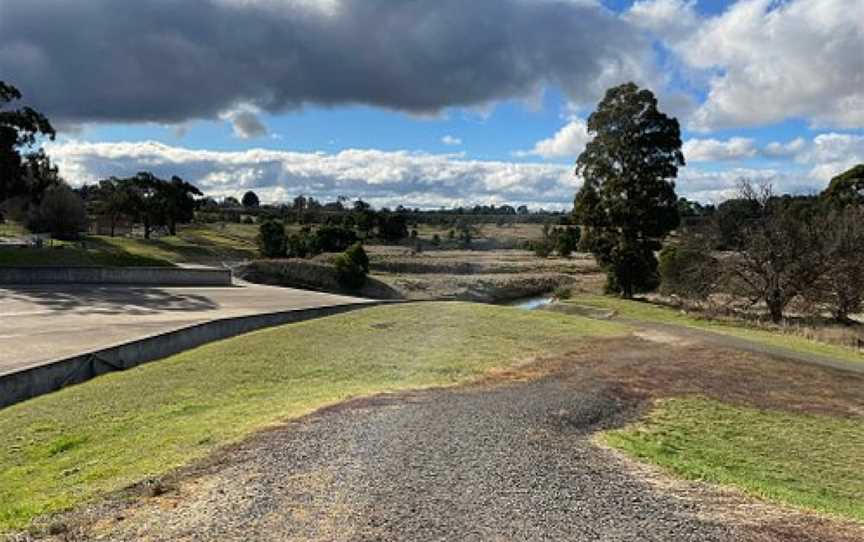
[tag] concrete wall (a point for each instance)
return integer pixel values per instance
(160, 276)
(35, 381)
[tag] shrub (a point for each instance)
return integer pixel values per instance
(297, 245)
(352, 267)
(566, 240)
(358, 256)
(436, 240)
(562, 292)
(271, 239)
(332, 238)
(392, 227)
(541, 248)
(688, 271)
(62, 213)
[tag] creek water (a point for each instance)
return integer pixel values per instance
(530, 303)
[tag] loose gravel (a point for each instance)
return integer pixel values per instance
(509, 462)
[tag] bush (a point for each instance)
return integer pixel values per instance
(297, 245)
(392, 227)
(358, 255)
(563, 292)
(688, 271)
(436, 240)
(566, 240)
(352, 267)
(542, 248)
(271, 239)
(62, 213)
(331, 238)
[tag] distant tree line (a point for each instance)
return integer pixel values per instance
(307, 210)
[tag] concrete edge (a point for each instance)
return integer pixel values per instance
(54, 375)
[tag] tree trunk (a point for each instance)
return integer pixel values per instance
(146, 229)
(775, 306)
(172, 227)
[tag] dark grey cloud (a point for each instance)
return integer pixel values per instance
(175, 60)
(247, 125)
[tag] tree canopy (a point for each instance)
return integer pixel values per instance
(19, 128)
(250, 200)
(846, 188)
(627, 202)
(148, 199)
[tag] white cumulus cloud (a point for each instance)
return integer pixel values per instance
(777, 60)
(712, 150)
(568, 142)
(381, 177)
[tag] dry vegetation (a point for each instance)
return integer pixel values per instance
(470, 275)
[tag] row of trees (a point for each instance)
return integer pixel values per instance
(145, 199)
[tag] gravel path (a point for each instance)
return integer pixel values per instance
(511, 462)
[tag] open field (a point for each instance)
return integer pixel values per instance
(70, 446)
(777, 336)
(488, 236)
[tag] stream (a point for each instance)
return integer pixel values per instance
(530, 303)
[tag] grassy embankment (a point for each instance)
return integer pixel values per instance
(197, 244)
(70, 446)
(810, 461)
(807, 460)
(648, 312)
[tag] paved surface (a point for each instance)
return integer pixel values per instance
(42, 324)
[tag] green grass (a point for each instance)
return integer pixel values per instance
(92, 252)
(640, 310)
(197, 244)
(803, 460)
(63, 448)
(12, 229)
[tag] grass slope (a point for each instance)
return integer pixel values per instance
(799, 459)
(196, 244)
(640, 310)
(69, 446)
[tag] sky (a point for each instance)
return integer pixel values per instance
(429, 103)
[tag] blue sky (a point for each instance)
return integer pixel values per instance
(428, 112)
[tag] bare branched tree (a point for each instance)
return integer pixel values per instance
(780, 255)
(841, 288)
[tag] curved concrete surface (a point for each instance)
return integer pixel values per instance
(39, 325)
